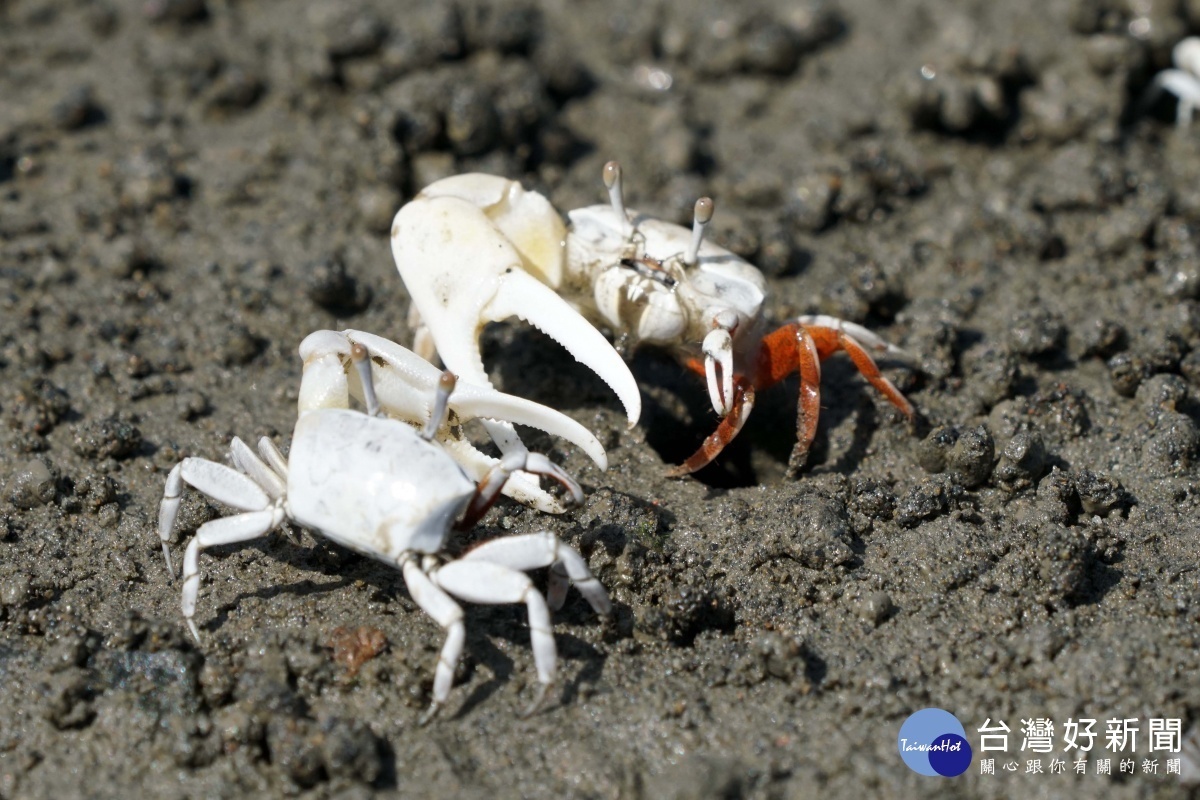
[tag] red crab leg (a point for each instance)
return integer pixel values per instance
(791, 348)
(784, 351)
(803, 347)
(743, 402)
(830, 340)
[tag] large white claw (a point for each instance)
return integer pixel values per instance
(465, 249)
(405, 386)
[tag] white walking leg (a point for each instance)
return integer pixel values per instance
(446, 613)
(271, 454)
(213, 480)
(534, 550)
(227, 530)
(258, 470)
(492, 584)
(168, 509)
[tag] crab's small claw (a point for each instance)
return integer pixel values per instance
(522, 487)
(465, 265)
(718, 361)
(503, 471)
(324, 382)
(718, 369)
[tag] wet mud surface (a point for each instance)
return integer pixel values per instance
(189, 187)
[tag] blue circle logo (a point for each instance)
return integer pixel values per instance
(933, 742)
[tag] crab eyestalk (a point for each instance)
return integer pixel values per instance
(441, 405)
(703, 215)
(362, 364)
(612, 181)
(718, 361)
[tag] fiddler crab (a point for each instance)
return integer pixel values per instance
(1183, 81)
(374, 484)
(477, 248)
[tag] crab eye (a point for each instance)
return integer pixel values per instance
(703, 215)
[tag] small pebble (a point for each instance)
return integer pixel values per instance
(1103, 338)
(1164, 354)
(31, 486)
(190, 404)
(972, 456)
(809, 201)
(1162, 393)
(110, 437)
(934, 449)
(1098, 493)
(993, 371)
(1126, 371)
(874, 499)
(1174, 445)
(1056, 497)
(1036, 334)
(14, 591)
(927, 501)
(1022, 462)
(876, 607)
(109, 515)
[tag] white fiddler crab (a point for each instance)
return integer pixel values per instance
(405, 385)
(1183, 81)
(381, 488)
(477, 248)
